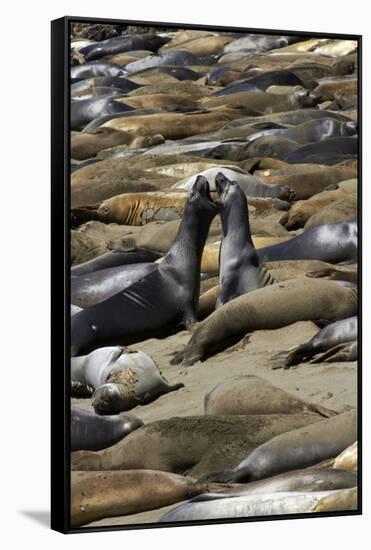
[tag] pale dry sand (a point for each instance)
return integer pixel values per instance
(332, 385)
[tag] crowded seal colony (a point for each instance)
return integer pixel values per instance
(214, 275)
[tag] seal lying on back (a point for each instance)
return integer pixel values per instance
(340, 332)
(251, 394)
(92, 432)
(299, 448)
(163, 300)
(268, 308)
(121, 380)
(96, 495)
(330, 242)
(240, 268)
(270, 504)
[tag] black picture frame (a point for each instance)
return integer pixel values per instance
(60, 271)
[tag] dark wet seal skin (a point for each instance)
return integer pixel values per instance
(121, 44)
(99, 68)
(92, 432)
(161, 302)
(84, 111)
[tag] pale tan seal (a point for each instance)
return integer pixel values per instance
(97, 495)
(338, 501)
(348, 459)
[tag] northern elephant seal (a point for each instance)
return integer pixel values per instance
(115, 258)
(94, 287)
(92, 432)
(251, 394)
(329, 337)
(332, 242)
(269, 504)
(240, 269)
(299, 448)
(262, 309)
(196, 445)
(122, 379)
(96, 495)
(163, 300)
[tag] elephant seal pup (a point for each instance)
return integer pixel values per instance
(299, 448)
(92, 288)
(251, 394)
(121, 379)
(97, 495)
(338, 501)
(263, 309)
(269, 504)
(195, 445)
(332, 242)
(340, 332)
(163, 300)
(92, 432)
(115, 258)
(240, 269)
(250, 185)
(347, 460)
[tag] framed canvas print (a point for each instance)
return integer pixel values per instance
(205, 206)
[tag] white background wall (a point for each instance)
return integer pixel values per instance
(24, 218)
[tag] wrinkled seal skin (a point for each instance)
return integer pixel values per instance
(92, 432)
(299, 448)
(115, 258)
(161, 302)
(329, 337)
(332, 242)
(240, 268)
(92, 288)
(97, 495)
(268, 308)
(122, 379)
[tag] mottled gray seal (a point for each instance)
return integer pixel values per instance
(92, 432)
(115, 258)
(163, 300)
(122, 379)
